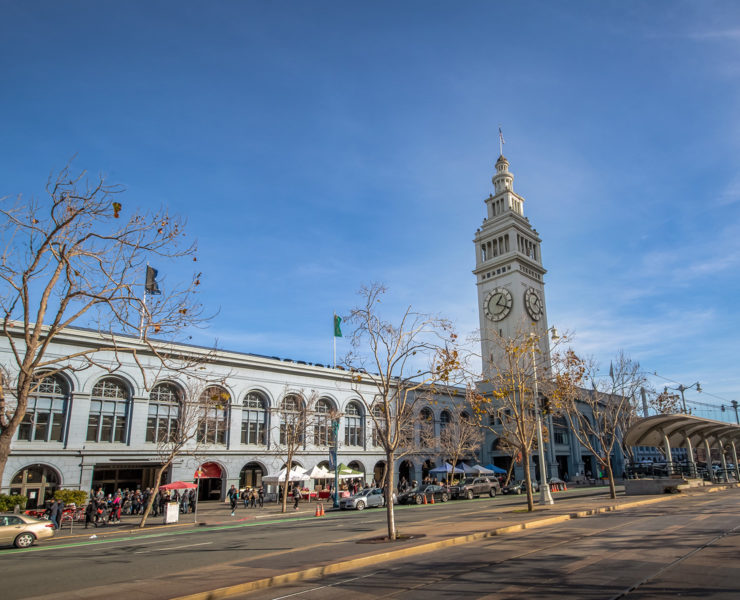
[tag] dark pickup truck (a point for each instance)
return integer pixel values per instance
(475, 486)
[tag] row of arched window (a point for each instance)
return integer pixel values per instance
(108, 419)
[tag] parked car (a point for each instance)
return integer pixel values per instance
(520, 487)
(473, 487)
(22, 531)
(366, 498)
(428, 490)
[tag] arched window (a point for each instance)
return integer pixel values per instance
(214, 415)
(254, 419)
(379, 422)
(323, 432)
(444, 420)
(109, 410)
(46, 413)
(164, 412)
(353, 428)
(293, 420)
(426, 428)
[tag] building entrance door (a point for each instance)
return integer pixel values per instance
(37, 483)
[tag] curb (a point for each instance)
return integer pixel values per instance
(364, 561)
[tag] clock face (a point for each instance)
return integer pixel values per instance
(498, 304)
(533, 303)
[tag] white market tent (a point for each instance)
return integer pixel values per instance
(320, 473)
(477, 470)
(296, 474)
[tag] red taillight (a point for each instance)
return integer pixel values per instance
(49, 525)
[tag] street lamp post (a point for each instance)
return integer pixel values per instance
(682, 388)
(335, 450)
(545, 495)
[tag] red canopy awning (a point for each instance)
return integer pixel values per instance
(178, 485)
(209, 470)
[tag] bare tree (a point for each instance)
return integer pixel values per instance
(294, 416)
(505, 401)
(597, 413)
(195, 411)
(75, 258)
(460, 439)
(393, 365)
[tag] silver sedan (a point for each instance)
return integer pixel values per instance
(366, 498)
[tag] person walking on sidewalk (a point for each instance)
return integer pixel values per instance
(90, 513)
(296, 496)
(233, 495)
(261, 497)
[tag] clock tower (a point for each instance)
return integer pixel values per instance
(508, 271)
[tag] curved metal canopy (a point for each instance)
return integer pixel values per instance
(650, 431)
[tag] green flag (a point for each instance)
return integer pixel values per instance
(337, 330)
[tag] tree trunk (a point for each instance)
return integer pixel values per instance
(284, 507)
(509, 472)
(610, 474)
(5, 438)
(155, 493)
(528, 480)
(391, 517)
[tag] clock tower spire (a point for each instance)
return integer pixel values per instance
(508, 270)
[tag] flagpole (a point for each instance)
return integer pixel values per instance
(141, 316)
(334, 341)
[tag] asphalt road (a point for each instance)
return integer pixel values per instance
(185, 559)
(688, 549)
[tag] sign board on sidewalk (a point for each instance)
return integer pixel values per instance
(172, 514)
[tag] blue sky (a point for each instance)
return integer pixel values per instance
(317, 146)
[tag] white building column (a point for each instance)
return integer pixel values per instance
(722, 457)
(734, 460)
(690, 454)
(708, 450)
(668, 454)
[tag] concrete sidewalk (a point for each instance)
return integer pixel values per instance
(209, 514)
(215, 513)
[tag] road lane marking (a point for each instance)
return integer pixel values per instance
(322, 587)
(172, 548)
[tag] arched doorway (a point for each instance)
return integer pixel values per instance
(406, 471)
(251, 475)
(379, 473)
(37, 483)
(211, 481)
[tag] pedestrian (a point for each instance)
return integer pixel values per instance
(60, 513)
(99, 517)
(90, 513)
(253, 498)
(185, 500)
(245, 497)
(296, 497)
(233, 495)
(261, 497)
(53, 512)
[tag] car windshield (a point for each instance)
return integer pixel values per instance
(468, 481)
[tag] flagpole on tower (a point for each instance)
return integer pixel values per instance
(501, 141)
